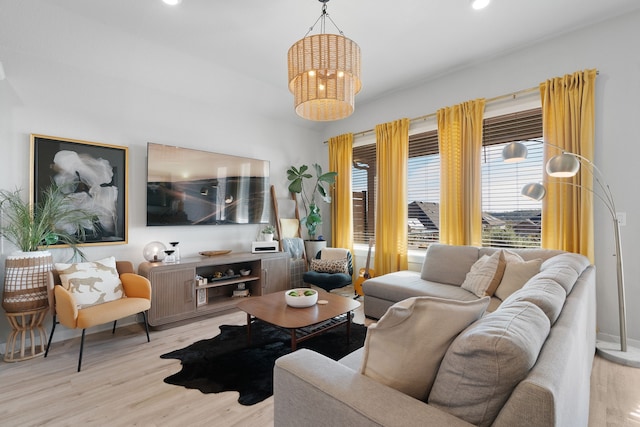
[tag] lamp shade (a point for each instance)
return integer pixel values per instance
(563, 165)
(534, 191)
(324, 76)
(514, 152)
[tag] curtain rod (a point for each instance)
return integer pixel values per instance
(512, 95)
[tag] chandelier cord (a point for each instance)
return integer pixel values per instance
(321, 19)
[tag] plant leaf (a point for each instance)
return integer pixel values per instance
(329, 177)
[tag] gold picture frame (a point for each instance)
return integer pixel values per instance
(97, 173)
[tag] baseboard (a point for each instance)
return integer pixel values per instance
(616, 339)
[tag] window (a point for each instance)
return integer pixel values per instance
(423, 184)
(363, 182)
(508, 220)
(423, 190)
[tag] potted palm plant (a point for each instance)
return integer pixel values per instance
(32, 229)
(321, 184)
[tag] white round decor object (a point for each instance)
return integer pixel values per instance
(154, 251)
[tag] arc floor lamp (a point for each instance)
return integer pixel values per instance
(566, 165)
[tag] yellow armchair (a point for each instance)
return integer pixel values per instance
(66, 311)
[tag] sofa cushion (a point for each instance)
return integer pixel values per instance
(91, 282)
(547, 294)
(494, 304)
(484, 274)
(404, 349)
(353, 360)
(526, 254)
(447, 263)
(486, 361)
(404, 284)
(564, 269)
(100, 314)
(516, 274)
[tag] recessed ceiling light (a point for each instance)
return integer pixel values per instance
(479, 4)
(172, 2)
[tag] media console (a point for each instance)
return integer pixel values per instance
(175, 290)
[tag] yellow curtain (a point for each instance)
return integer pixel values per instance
(568, 119)
(392, 153)
(460, 145)
(340, 161)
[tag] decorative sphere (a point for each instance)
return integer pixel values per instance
(154, 251)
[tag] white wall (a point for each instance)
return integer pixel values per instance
(610, 47)
(98, 85)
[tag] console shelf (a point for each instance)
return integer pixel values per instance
(241, 279)
(176, 296)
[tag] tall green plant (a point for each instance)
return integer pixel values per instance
(321, 186)
(53, 220)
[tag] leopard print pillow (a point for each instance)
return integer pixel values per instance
(330, 265)
(91, 283)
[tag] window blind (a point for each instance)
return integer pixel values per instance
(508, 219)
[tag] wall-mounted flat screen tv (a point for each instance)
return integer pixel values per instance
(194, 187)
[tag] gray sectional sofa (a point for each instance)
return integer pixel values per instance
(443, 266)
(310, 389)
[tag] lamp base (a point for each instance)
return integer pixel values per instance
(611, 351)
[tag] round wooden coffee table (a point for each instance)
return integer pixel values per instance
(302, 323)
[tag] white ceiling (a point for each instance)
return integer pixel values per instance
(403, 42)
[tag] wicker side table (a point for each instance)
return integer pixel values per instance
(27, 326)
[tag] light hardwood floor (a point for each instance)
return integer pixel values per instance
(121, 384)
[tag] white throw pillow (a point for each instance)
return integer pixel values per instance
(506, 257)
(481, 275)
(333, 253)
(516, 274)
(404, 349)
(91, 283)
(510, 256)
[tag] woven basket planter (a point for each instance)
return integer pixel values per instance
(25, 281)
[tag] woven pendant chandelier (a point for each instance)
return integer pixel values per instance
(324, 73)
